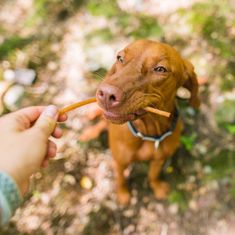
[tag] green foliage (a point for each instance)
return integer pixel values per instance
(36, 194)
(228, 77)
(188, 141)
(104, 34)
(131, 25)
(230, 128)
(125, 19)
(225, 115)
(52, 9)
(99, 74)
(222, 166)
(147, 27)
(100, 221)
(179, 197)
(139, 26)
(210, 20)
(103, 8)
(12, 43)
(232, 191)
(41, 8)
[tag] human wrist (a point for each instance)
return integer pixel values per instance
(16, 178)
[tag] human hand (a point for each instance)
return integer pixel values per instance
(24, 141)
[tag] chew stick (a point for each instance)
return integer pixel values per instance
(93, 99)
(77, 105)
(157, 111)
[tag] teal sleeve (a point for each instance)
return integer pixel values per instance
(10, 198)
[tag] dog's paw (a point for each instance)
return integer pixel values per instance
(161, 190)
(123, 196)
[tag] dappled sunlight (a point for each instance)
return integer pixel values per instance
(69, 45)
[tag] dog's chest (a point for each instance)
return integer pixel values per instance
(145, 151)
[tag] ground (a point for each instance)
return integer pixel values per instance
(70, 44)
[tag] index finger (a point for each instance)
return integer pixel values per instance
(29, 115)
(32, 113)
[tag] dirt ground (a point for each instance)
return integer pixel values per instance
(68, 44)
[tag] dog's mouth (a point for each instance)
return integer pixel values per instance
(119, 118)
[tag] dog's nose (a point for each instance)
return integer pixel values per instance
(109, 96)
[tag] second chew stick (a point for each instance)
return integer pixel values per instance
(157, 111)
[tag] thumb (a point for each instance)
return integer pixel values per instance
(47, 121)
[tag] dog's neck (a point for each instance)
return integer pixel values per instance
(153, 124)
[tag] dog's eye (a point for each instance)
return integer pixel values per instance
(120, 59)
(160, 69)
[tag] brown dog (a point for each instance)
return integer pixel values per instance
(146, 73)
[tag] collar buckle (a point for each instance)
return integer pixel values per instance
(156, 144)
(155, 139)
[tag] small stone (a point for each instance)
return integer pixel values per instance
(9, 75)
(38, 175)
(214, 185)
(193, 205)
(130, 229)
(134, 200)
(191, 179)
(111, 205)
(207, 169)
(33, 222)
(52, 65)
(129, 213)
(68, 166)
(159, 208)
(190, 111)
(202, 149)
(45, 198)
(25, 76)
(21, 76)
(13, 97)
(183, 93)
(173, 209)
(6, 64)
(69, 179)
(202, 191)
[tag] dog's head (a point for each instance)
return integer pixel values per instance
(146, 73)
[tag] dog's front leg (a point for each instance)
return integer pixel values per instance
(123, 194)
(160, 188)
(166, 150)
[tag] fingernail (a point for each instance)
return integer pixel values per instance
(50, 111)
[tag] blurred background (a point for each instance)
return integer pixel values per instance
(57, 51)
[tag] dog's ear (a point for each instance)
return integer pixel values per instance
(191, 83)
